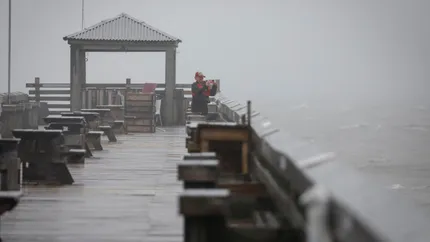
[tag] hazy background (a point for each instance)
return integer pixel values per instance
(350, 76)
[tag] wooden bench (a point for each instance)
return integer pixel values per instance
(44, 156)
(75, 131)
(227, 211)
(10, 165)
(74, 156)
(10, 190)
(91, 118)
(198, 173)
(263, 226)
(104, 114)
(118, 126)
(63, 119)
(191, 127)
(115, 118)
(196, 117)
(190, 142)
(104, 125)
(116, 111)
(108, 131)
(8, 201)
(94, 140)
(75, 136)
(225, 139)
(204, 212)
(222, 203)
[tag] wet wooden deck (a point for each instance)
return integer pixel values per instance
(128, 192)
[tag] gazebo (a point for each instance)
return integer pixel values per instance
(121, 34)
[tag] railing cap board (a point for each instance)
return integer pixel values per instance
(102, 85)
(15, 97)
(354, 195)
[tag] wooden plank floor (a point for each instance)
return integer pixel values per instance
(128, 192)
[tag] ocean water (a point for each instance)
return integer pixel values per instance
(390, 141)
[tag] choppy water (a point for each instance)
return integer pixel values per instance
(390, 141)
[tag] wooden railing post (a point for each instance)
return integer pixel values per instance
(127, 90)
(218, 83)
(37, 89)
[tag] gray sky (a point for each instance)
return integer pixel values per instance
(272, 50)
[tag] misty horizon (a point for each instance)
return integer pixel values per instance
(308, 51)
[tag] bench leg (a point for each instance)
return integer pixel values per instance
(204, 228)
(90, 142)
(94, 142)
(57, 173)
(88, 152)
(119, 128)
(111, 135)
(195, 229)
(97, 144)
(62, 173)
(76, 159)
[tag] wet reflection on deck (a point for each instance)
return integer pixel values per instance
(128, 192)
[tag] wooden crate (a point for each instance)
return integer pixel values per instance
(141, 115)
(134, 109)
(141, 128)
(134, 103)
(141, 106)
(138, 121)
(141, 97)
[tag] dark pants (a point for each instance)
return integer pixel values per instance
(199, 105)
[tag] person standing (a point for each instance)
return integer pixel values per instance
(201, 90)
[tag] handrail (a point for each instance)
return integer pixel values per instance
(102, 85)
(307, 184)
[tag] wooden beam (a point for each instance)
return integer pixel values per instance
(50, 92)
(50, 98)
(105, 85)
(123, 48)
(103, 43)
(59, 106)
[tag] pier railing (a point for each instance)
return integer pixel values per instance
(323, 196)
(57, 95)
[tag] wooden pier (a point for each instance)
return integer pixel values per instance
(227, 176)
(127, 193)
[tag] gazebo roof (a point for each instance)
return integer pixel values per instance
(123, 28)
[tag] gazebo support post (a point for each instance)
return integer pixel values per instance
(169, 117)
